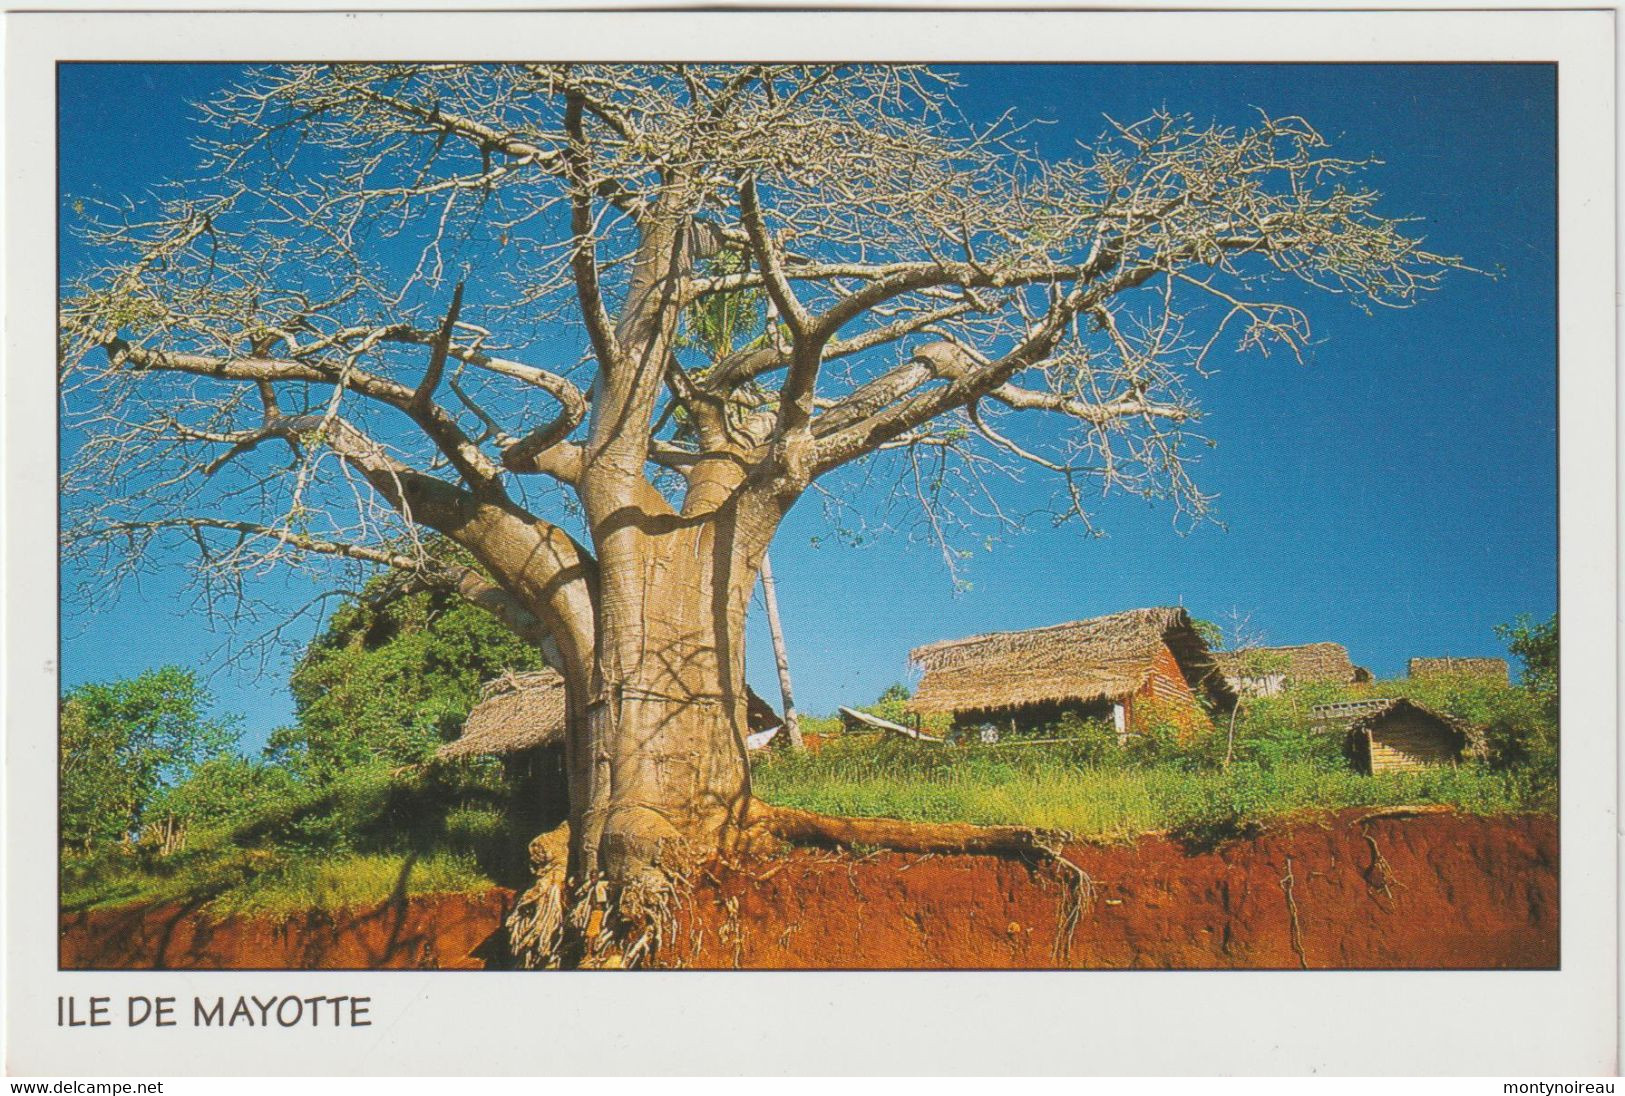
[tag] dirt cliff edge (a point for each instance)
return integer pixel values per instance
(1350, 891)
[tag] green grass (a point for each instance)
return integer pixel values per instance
(357, 879)
(1050, 788)
(270, 882)
(357, 842)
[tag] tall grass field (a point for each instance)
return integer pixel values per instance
(1049, 787)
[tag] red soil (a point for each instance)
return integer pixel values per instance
(427, 932)
(1355, 891)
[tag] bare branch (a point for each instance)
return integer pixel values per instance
(424, 394)
(941, 298)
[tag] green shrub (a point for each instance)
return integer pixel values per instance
(1536, 646)
(1093, 741)
(484, 834)
(122, 744)
(393, 677)
(290, 842)
(1167, 736)
(1155, 743)
(224, 792)
(1276, 731)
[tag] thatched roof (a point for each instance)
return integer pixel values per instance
(1473, 667)
(1303, 664)
(1107, 658)
(1472, 737)
(517, 712)
(523, 711)
(1377, 709)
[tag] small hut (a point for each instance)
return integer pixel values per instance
(1491, 669)
(1129, 667)
(516, 713)
(1266, 671)
(521, 716)
(1404, 736)
(520, 721)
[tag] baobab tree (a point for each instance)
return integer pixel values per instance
(403, 300)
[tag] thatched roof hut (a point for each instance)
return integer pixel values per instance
(1401, 735)
(516, 712)
(519, 712)
(1265, 671)
(1492, 668)
(1143, 653)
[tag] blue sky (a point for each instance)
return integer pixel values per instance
(1397, 493)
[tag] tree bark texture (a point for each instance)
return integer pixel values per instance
(659, 775)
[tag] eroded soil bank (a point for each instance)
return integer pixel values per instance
(1351, 891)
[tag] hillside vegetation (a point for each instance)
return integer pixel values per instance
(1046, 787)
(348, 814)
(371, 835)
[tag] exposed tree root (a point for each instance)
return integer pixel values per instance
(732, 932)
(1379, 877)
(831, 831)
(1080, 896)
(641, 921)
(1292, 913)
(536, 925)
(598, 924)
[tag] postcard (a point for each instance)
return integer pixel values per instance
(571, 523)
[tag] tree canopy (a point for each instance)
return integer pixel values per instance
(124, 742)
(1536, 644)
(932, 289)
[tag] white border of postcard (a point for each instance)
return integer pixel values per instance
(1515, 1023)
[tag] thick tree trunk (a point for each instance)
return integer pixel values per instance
(655, 751)
(659, 780)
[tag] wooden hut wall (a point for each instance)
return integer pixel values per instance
(1406, 741)
(1259, 685)
(1167, 694)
